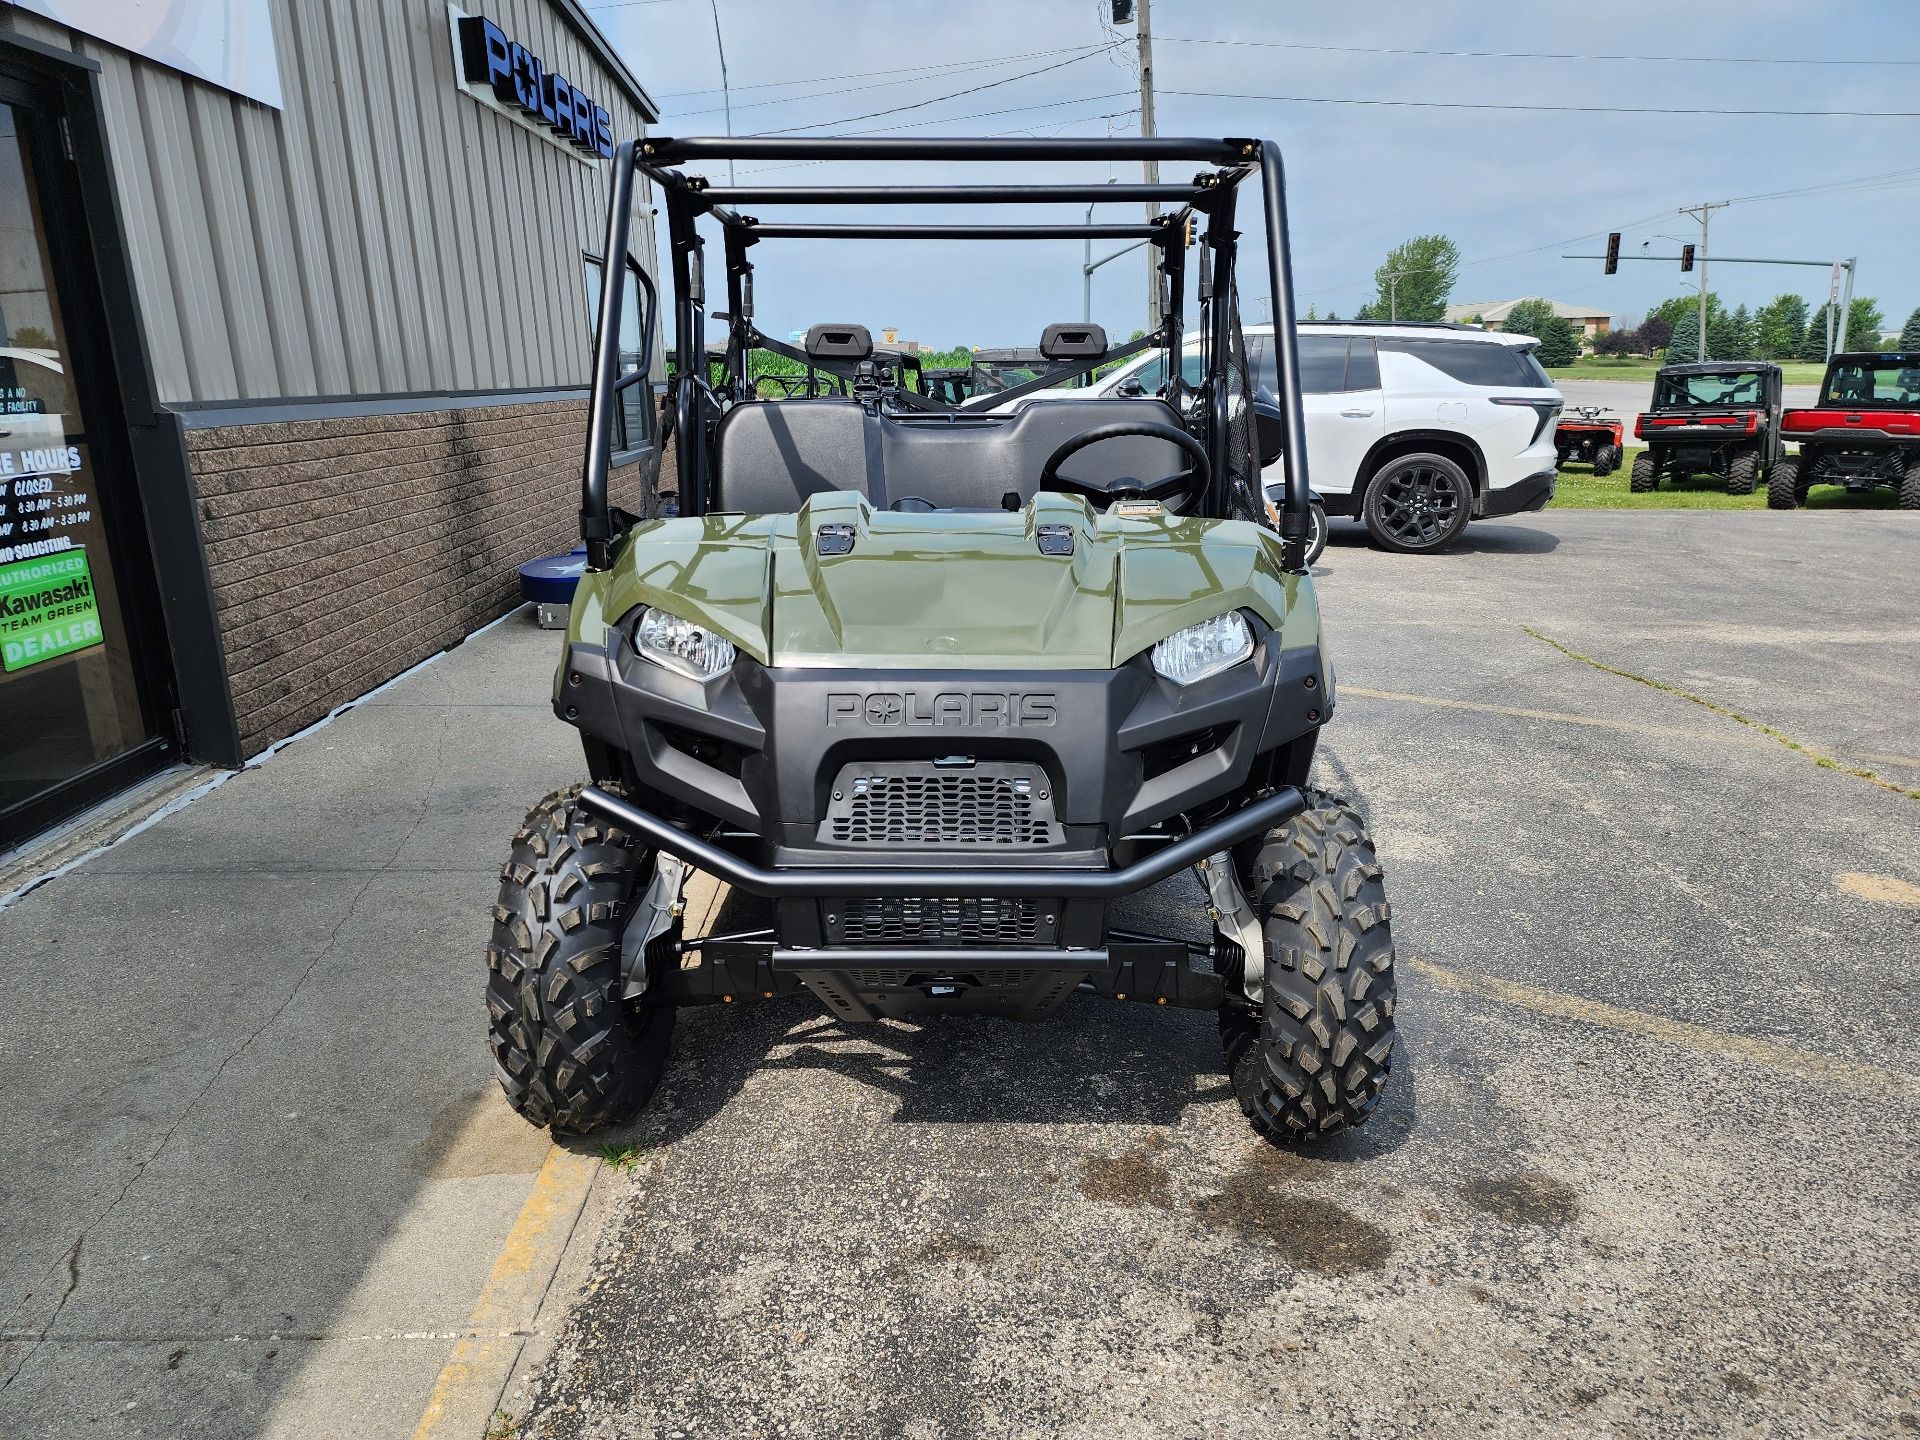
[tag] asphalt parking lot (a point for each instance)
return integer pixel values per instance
(1647, 1162)
(1646, 1165)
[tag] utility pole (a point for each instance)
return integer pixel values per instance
(1152, 167)
(1393, 288)
(726, 91)
(1701, 213)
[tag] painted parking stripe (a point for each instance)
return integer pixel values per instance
(470, 1383)
(1682, 1034)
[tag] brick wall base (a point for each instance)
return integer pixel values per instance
(343, 551)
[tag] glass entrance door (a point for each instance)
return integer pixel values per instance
(77, 711)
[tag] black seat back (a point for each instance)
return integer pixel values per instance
(770, 456)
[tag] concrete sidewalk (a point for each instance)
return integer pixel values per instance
(256, 1176)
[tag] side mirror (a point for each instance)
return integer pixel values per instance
(1270, 431)
(1131, 386)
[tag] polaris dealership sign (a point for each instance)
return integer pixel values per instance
(498, 70)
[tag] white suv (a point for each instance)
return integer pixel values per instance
(1414, 429)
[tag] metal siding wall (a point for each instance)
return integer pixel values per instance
(383, 233)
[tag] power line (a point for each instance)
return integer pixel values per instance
(1018, 130)
(896, 70)
(937, 99)
(1083, 52)
(1530, 55)
(1548, 109)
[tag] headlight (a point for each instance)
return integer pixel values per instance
(682, 645)
(1204, 649)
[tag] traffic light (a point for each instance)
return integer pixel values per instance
(1123, 12)
(1613, 253)
(1686, 257)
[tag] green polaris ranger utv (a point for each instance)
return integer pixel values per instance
(942, 683)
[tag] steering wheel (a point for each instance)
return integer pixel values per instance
(1182, 485)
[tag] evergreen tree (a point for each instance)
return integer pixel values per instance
(1332, 315)
(1779, 327)
(1910, 332)
(1559, 344)
(1723, 338)
(1813, 344)
(1742, 323)
(1684, 344)
(1864, 323)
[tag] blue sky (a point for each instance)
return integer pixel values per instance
(1513, 189)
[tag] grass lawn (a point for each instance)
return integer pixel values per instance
(1580, 489)
(1600, 367)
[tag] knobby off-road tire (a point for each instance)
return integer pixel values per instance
(1742, 470)
(1606, 460)
(571, 1054)
(1312, 1060)
(1783, 484)
(1910, 486)
(1645, 475)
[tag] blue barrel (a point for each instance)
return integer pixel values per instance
(550, 580)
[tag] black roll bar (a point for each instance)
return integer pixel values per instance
(686, 195)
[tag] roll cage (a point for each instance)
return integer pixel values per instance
(697, 398)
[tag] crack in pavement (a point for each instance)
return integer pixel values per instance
(1819, 757)
(34, 1341)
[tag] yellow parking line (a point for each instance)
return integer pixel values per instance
(1561, 717)
(469, 1385)
(1701, 1039)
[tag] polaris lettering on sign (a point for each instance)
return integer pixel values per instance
(495, 68)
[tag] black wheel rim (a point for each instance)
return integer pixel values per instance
(1419, 504)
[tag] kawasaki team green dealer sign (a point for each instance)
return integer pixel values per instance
(47, 609)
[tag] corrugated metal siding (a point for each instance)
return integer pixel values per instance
(384, 233)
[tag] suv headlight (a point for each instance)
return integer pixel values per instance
(681, 645)
(1204, 649)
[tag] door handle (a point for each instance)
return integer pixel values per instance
(1357, 414)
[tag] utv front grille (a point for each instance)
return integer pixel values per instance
(951, 921)
(941, 805)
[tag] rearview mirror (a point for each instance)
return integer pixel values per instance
(1270, 431)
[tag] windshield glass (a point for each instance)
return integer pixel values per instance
(1743, 387)
(1889, 384)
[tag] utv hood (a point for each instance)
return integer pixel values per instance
(1052, 585)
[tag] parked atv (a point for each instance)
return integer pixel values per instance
(1864, 433)
(1584, 435)
(1718, 417)
(944, 683)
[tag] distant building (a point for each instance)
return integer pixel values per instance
(1493, 315)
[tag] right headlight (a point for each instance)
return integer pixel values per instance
(1204, 649)
(682, 645)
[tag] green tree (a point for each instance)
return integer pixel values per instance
(1864, 323)
(1332, 315)
(1426, 267)
(1778, 327)
(1531, 316)
(1684, 345)
(1813, 344)
(1910, 332)
(1559, 343)
(1365, 312)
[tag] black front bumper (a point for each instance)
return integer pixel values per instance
(1532, 493)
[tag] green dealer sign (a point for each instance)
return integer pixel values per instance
(47, 609)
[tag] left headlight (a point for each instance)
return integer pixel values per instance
(1204, 649)
(682, 645)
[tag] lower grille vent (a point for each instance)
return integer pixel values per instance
(940, 922)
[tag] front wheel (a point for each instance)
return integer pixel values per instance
(1910, 486)
(1312, 1058)
(1742, 470)
(1317, 541)
(1418, 503)
(570, 1052)
(1645, 475)
(1783, 484)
